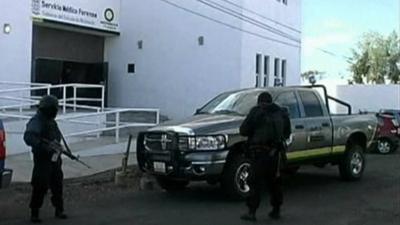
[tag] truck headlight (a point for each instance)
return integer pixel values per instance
(203, 143)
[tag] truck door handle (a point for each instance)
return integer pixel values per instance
(299, 127)
(326, 125)
(315, 128)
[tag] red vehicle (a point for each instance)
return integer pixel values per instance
(5, 174)
(388, 131)
(2, 146)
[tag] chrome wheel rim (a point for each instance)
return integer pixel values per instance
(356, 163)
(241, 178)
(383, 147)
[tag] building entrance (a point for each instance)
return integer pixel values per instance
(61, 57)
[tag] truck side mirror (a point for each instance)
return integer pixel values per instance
(197, 111)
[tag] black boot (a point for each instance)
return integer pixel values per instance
(250, 216)
(60, 214)
(35, 216)
(275, 214)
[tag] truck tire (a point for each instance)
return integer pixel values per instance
(234, 179)
(385, 146)
(171, 185)
(352, 165)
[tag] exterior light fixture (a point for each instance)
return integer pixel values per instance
(201, 40)
(7, 28)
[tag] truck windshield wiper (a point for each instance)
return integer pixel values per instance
(202, 112)
(227, 111)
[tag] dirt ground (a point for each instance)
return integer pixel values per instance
(88, 189)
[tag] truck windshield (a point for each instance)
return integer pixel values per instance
(235, 103)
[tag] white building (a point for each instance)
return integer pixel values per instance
(168, 54)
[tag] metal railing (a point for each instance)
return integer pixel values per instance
(24, 95)
(117, 125)
(26, 100)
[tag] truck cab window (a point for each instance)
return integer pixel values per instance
(289, 100)
(311, 103)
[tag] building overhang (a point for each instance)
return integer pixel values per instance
(74, 28)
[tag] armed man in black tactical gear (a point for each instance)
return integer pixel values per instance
(267, 126)
(43, 135)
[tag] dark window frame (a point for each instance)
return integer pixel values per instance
(307, 108)
(259, 62)
(266, 70)
(297, 105)
(283, 71)
(277, 62)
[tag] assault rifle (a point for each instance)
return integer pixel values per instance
(58, 149)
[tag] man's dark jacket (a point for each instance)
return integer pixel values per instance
(38, 129)
(266, 124)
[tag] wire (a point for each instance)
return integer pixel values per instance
(229, 25)
(248, 19)
(262, 16)
(332, 53)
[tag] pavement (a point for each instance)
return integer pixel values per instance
(100, 154)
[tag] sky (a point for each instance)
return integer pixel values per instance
(336, 26)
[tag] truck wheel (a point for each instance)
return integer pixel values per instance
(171, 185)
(352, 165)
(385, 146)
(235, 177)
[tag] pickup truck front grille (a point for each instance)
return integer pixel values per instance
(158, 142)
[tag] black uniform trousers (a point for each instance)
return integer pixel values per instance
(264, 170)
(39, 190)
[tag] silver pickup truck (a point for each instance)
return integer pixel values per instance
(207, 146)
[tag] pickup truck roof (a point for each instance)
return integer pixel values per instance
(276, 90)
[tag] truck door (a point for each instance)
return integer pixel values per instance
(290, 101)
(317, 124)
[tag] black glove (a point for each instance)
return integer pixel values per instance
(54, 146)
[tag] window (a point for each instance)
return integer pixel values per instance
(283, 72)
(277, 79)
(131, 68)
(266, 70)
(311, 103)
(276, 67)
(285, 2)
(232, 103)
(289, 100)
(258, 69)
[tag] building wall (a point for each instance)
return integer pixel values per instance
(262, 16)
(369, 98)
(177, 75)
(16, 47)
(173, 72)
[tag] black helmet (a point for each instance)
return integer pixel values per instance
(48, 105)
(264, 98)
